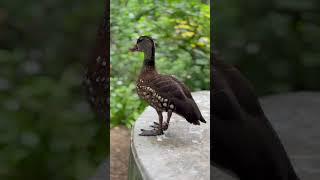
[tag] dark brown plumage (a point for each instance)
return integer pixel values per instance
(163, 92)
(96, 80)
(244, 141)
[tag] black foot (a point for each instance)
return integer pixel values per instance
(153, 132)
(156, 126)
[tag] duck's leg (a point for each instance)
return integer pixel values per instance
(165, 124)
(156, 131)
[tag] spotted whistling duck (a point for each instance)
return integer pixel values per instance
(243, 140)
(164, 93)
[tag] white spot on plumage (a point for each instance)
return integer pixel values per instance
(165, 104)
(98, 59)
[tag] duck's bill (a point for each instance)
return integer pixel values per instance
(134, 48)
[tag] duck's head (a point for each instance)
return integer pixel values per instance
(144, 43)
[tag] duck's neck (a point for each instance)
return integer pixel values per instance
(148, 62)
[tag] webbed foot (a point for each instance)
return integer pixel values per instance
(156, 126)
(153, 132)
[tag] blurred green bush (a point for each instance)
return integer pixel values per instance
(47, 130)
(182, 36)
(274, 43)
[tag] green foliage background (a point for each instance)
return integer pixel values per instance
(276, 44)
(182, 35)
(47, 130)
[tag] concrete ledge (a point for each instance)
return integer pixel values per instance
(296, 118)
(182, 153)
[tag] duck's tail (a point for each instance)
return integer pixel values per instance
(202, 119)
(196, 121)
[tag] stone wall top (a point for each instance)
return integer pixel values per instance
(183, 152)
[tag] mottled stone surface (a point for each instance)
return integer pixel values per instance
(296, 118)
(183, 152)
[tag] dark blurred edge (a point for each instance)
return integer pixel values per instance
(100, 173)
(212, 49)
(96, 82)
